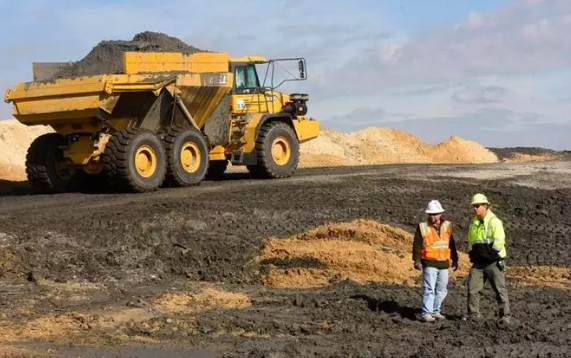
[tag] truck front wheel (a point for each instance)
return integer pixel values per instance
(277, 151)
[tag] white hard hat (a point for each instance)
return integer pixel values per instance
(434, 207)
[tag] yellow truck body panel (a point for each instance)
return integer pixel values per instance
(200, 79)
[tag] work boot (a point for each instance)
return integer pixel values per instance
(425, 318)
(505, 320)
(439, 317)
(472, 317)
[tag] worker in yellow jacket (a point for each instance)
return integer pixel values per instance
(487, 252)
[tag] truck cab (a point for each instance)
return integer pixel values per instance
(249, 94)
(266, 125)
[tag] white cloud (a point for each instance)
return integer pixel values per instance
(503, 70)
(475, 20)
(476, 94)
(523, 37)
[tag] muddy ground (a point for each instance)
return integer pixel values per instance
(176, 272)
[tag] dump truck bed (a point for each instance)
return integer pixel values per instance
(201, 80)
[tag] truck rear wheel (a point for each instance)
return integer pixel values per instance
(134, 160)
(277, 150)
(187, 156)
(46, 167)
(216, 169)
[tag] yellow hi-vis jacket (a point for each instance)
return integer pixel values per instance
(486, 239)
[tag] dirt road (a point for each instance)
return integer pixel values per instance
(178, 271)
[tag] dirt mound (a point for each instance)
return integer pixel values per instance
(366, 251)
(458, 150)
(107, 56)
(209, 298)
(545, 276)
(530, 154)
(386, 145)
(15, 138)
(362, 251)
(370, 146)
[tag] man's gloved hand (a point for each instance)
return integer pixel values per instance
(501, 265)
(455, 265)
(417, 265)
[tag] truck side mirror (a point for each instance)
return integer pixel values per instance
(301, 66)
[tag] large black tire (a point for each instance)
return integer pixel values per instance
(42, 169)
(187, 156)
(216, 169)
(134, 160)
(269, 164)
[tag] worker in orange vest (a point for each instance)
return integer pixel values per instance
(434, 252)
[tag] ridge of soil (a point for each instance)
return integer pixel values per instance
(107, 56)
(527, 154)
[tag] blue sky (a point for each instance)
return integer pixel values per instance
(494, 71)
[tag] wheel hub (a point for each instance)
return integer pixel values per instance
(190, 157)
(145, 161)
(281, 151)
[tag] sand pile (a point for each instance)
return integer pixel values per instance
(385, 145)
(107, 56)
(367, 251)
(331, 148)
(362, 250)
(15, 138)
(209, 298)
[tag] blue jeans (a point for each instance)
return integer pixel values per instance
(434, 289)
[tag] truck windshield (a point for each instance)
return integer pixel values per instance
(246, 78)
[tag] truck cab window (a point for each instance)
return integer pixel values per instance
(246, 79)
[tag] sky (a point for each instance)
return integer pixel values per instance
(494, 71)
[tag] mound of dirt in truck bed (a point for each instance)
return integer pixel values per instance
(107, 56)
(530, 154)
(386, 145)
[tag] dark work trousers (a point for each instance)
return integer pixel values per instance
(479, 275)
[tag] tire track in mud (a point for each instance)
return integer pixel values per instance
(374, 320)
(212, 232)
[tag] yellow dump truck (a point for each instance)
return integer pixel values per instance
(168, 119)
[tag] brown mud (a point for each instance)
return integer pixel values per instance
(188, 272)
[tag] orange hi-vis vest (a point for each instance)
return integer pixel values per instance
(436, 247)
